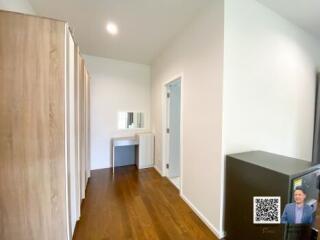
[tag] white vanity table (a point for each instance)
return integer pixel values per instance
(145, 143)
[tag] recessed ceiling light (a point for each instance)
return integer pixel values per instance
(112, 28)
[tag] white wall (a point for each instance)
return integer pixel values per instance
(115, 86)
(22, 6)
(269, 84)
(197, 52)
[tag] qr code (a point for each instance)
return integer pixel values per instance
(266, 210)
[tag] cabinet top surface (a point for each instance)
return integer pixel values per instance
(2, 11)
(124, 141)
(274, 162)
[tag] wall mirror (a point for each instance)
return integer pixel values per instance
(130, 120)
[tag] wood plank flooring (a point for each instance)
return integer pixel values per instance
(136, 205)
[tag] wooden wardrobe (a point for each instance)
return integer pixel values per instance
(44, 128)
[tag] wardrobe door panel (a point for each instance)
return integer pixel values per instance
(71, 136)
(32, 128)
(86, 119)
(82, 133)
(88, 165)
(78, 129)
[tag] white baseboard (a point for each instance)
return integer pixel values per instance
(174, 184)
(146, 166)
(158, 170)
(218, 234)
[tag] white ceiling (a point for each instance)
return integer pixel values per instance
(304, 13)
(145, 26)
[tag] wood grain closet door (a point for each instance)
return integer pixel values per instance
(32, 134)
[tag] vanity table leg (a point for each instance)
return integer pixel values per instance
(113, 149)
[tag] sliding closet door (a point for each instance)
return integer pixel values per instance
(88, 165)
(77, 60)
(87, 123)
(73, 183)
(32, 128)
(82, 126)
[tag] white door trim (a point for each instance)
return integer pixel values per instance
(165, 136)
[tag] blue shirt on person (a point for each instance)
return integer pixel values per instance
(298, 213)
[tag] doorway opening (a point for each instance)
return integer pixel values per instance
(173, 168)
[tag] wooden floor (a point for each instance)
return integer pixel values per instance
(136, 205)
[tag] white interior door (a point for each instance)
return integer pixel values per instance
(174, 106)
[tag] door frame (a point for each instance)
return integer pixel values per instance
(165, 135)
